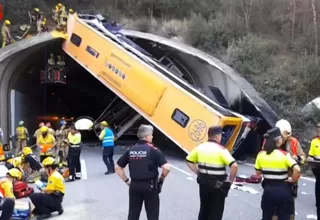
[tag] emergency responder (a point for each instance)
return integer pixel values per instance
(107, 138)
(37, 133)
(314, 157)
(13, 162)
(290, 143)
(7, 198)
(209, 161)
(62, 27)
(63, 16)
(62, 146)
(6, 34)
(22, 136)
(60, 63)
(55, 14)
(51, 197)
(74, 140)
(71, 12)
(274, 164)
(44, 27)
(31, 164)
(145, 185)
(46, 142)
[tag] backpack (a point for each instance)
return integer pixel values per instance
(21, 189)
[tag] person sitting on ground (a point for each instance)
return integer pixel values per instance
(13, 162)
(51, 197)
(7, 198)
(31, 165)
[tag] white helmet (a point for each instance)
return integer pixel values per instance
(285, 127)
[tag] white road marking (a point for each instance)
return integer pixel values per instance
(302, 177)
(180, 170)
(84, 174)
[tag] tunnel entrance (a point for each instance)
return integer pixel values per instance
(81, 100)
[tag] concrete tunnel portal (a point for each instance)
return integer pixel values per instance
(23, 97)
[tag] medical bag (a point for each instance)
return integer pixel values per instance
(22, 189)
(254, 179)
(22, 210)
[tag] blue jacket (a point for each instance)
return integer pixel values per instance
(108, 139)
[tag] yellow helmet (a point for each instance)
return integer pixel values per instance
(71, 10)
(15, 173)
(44, 129)
(104, 123)
(44, 20)
(7, 22)
(18, 161)
(26, 151)
(48, 161)
(59, 5)
(36, 9)
(43, 23)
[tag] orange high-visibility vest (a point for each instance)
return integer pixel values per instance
(2, 155)
(46, 147)
(294, 146)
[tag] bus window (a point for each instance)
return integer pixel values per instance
(181, 118)
(227, 134)
(76, 40)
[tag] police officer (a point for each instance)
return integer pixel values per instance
(50, 199)
(107, 138)
(74, 139)
(274, 164)
(145, 186)
(314, 157)
(209, 161)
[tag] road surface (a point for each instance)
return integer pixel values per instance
(106, 197)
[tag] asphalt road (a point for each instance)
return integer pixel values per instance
(106, 197)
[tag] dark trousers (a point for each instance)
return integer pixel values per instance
(42, 157)
(316, 172)
(277, 198)
(46, 203)
(140, 192)
(7, 207)
(107, 156)
(211, 203)
(74, 161)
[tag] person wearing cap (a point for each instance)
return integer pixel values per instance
(46, 142)
(274, 165)
(209, 161)
(314, 157)
(74, 142)
(6, 34)
(144, 159)
(50, 198)
(7, 198)
(31, 165)
(22, 136)
(107, 138)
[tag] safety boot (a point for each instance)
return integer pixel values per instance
(44, 216)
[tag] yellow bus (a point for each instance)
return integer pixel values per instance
(179, 111)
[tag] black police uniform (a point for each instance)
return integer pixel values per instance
(144, 160)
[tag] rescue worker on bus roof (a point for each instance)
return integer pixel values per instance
(62, 27)
(46, 142)
(44, 27)
(7, 198)
(22, 136)
(6, 34)
(107, 138)
(62, 143)
(209, 161)
(55, 14)
(31, 165)
(74, 140)
(62, 14)
(145, 185)
(314, 157)
(50, 198)
(37, 133)
(274, 163)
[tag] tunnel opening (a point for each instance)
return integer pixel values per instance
(81, 97)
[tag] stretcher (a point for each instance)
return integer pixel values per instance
(22, 210)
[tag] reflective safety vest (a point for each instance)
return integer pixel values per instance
(108, 139)
(2, 192)
(2, 155)
(46, 149)
(21, 132)
(294, 146)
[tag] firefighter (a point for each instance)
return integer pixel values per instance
(60, 62)
(62, 14)
(274, 164)
(13, 162)
(46, 142)
(31, 164)
(50, 198)
(62, 146)
(107, 138)
(6, 34)
(22, 136)
(71, 12)
(213, 183)
(74, 140)
(7, 198)
(62, 27)
(37, 133)
(314, 156)
(44, 27)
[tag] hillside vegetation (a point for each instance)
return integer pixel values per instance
(272, 43)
